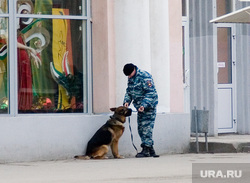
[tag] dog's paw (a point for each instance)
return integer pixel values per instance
(82, 157)
(120, 157)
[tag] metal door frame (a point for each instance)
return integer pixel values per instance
(233, 85)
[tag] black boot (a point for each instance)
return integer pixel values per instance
(144, 153)
(152, 152)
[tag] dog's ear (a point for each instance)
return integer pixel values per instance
(113, 109)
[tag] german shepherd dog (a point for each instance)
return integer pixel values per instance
(108, 135)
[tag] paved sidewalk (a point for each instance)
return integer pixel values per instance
(166, 169)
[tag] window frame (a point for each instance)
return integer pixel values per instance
(13, 65)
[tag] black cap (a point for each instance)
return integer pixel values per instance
(128, 69)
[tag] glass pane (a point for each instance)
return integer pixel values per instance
(4, 78)
(51, 65)
(183, 55)
(224, 7)
(184, 8)
(224, 56)
(64, 7)
(3, 6)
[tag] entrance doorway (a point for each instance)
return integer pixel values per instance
(226, 79)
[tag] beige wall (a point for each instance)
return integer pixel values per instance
(164, 60)
(103, 55)
(132, 39)
(175, 41)
(160, 53)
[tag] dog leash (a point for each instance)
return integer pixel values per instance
(132, 138)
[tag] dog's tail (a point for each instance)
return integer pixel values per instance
(82, 157)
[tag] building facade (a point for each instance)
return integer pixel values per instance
(219, 64)
(61, 70)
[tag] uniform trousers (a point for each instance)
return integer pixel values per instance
(146, 120)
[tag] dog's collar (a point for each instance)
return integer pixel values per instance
(118, 119)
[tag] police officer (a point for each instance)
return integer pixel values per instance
(141, 91)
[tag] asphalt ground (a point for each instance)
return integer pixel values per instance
(174, 168)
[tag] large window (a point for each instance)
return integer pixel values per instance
(224, 7)
(184, 7)
(51, 56)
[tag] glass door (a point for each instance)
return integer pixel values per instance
(226, 81)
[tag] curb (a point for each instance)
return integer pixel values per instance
(218, 147)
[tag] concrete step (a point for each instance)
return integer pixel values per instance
(222, 144)
(246, 149)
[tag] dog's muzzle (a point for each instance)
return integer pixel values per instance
(129, 112)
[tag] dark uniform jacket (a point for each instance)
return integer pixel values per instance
(141, 90)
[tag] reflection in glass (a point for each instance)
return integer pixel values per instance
(224, 7)
(46, 6)
(3, 6)
(50, 65)
(224, 55)
(4, 78)
(184, 8)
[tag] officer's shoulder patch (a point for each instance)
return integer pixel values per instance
(149, 83)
